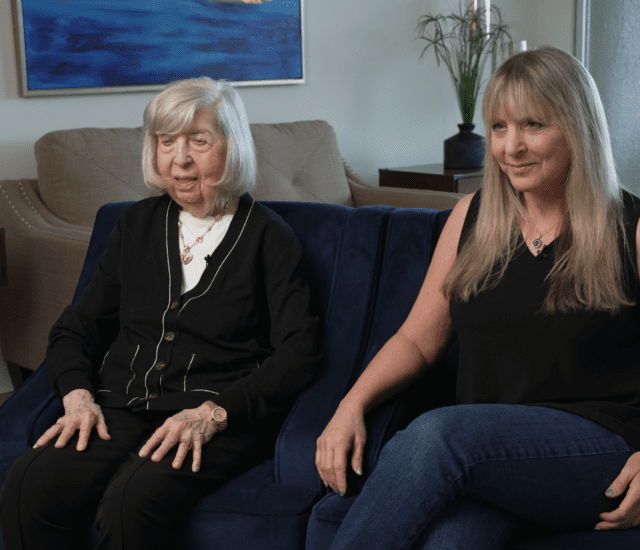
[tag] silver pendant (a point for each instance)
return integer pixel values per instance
(537, 243)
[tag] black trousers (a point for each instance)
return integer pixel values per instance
(50, 496)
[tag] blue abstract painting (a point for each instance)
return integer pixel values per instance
(117, 45)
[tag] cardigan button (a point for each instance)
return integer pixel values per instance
(153, 395)
(175, 304)
(170, 336)
(160, 365)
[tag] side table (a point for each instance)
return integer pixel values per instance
(432, 176)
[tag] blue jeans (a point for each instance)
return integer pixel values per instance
(458, 476)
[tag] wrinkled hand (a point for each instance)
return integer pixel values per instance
(80, 413)
(627, 515)
(190, 429)
(346, 432)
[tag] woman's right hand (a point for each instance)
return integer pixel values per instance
(80, 414)
(346, 432)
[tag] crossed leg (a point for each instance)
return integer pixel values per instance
(539, 464)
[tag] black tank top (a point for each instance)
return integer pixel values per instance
(585, 362)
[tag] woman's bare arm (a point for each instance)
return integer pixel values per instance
(419, 342)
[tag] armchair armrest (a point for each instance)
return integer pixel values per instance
(364, 194)
(44, 259)
(402, 198)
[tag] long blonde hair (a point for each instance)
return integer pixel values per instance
(588, 269)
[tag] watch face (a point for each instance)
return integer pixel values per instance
(219, 414)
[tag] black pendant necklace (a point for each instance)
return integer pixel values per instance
(537, 243)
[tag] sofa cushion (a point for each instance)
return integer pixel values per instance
(80, 170)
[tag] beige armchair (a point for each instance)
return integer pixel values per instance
(48, 221)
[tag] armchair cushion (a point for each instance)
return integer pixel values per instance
(80, 170)
(300, 161)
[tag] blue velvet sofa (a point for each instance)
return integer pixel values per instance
(368, 265)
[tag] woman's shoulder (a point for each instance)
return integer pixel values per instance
(452, 232)
(631, 205)
(467, 203)
(266, 220)
(142, 212)
(148, 206)
(463, 216)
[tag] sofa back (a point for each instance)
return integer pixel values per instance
(79, 170)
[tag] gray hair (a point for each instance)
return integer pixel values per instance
(173, 110)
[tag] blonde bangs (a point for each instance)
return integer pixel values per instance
(526, 101)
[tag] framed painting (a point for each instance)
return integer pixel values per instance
(106, 46)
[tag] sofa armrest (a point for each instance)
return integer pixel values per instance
(44, 259)
(364, 194)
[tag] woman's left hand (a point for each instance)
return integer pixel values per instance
(627, 515)
(191, 429)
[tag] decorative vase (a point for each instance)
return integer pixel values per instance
(465, 150)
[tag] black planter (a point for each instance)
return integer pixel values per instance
(464, 150)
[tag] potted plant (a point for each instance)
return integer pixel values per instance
(464, 41)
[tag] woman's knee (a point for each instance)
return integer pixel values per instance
(140, 507)
(139, 493)
(40, 502)
(438, 427)
(452, 437)
(30, 483)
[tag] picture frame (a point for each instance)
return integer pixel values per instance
(66, 47)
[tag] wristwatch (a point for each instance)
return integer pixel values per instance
(219, 416)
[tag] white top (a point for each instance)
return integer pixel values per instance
(192, 228)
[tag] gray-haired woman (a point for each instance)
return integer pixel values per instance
(185, 350)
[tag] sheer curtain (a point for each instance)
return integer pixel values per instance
(614, 62)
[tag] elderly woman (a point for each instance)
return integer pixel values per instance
(537, 274)
(188, 346)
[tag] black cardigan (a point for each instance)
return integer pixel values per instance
(244, 337)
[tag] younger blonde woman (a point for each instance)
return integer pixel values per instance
(537, 274)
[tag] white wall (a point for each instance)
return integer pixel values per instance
(615, 65)
(363, 76)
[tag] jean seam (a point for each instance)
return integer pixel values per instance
(567, 455)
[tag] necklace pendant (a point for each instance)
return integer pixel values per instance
(537, 243)
(186, 258)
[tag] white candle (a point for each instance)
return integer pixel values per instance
(488, 4)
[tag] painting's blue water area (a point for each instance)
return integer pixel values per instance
(93, 43)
